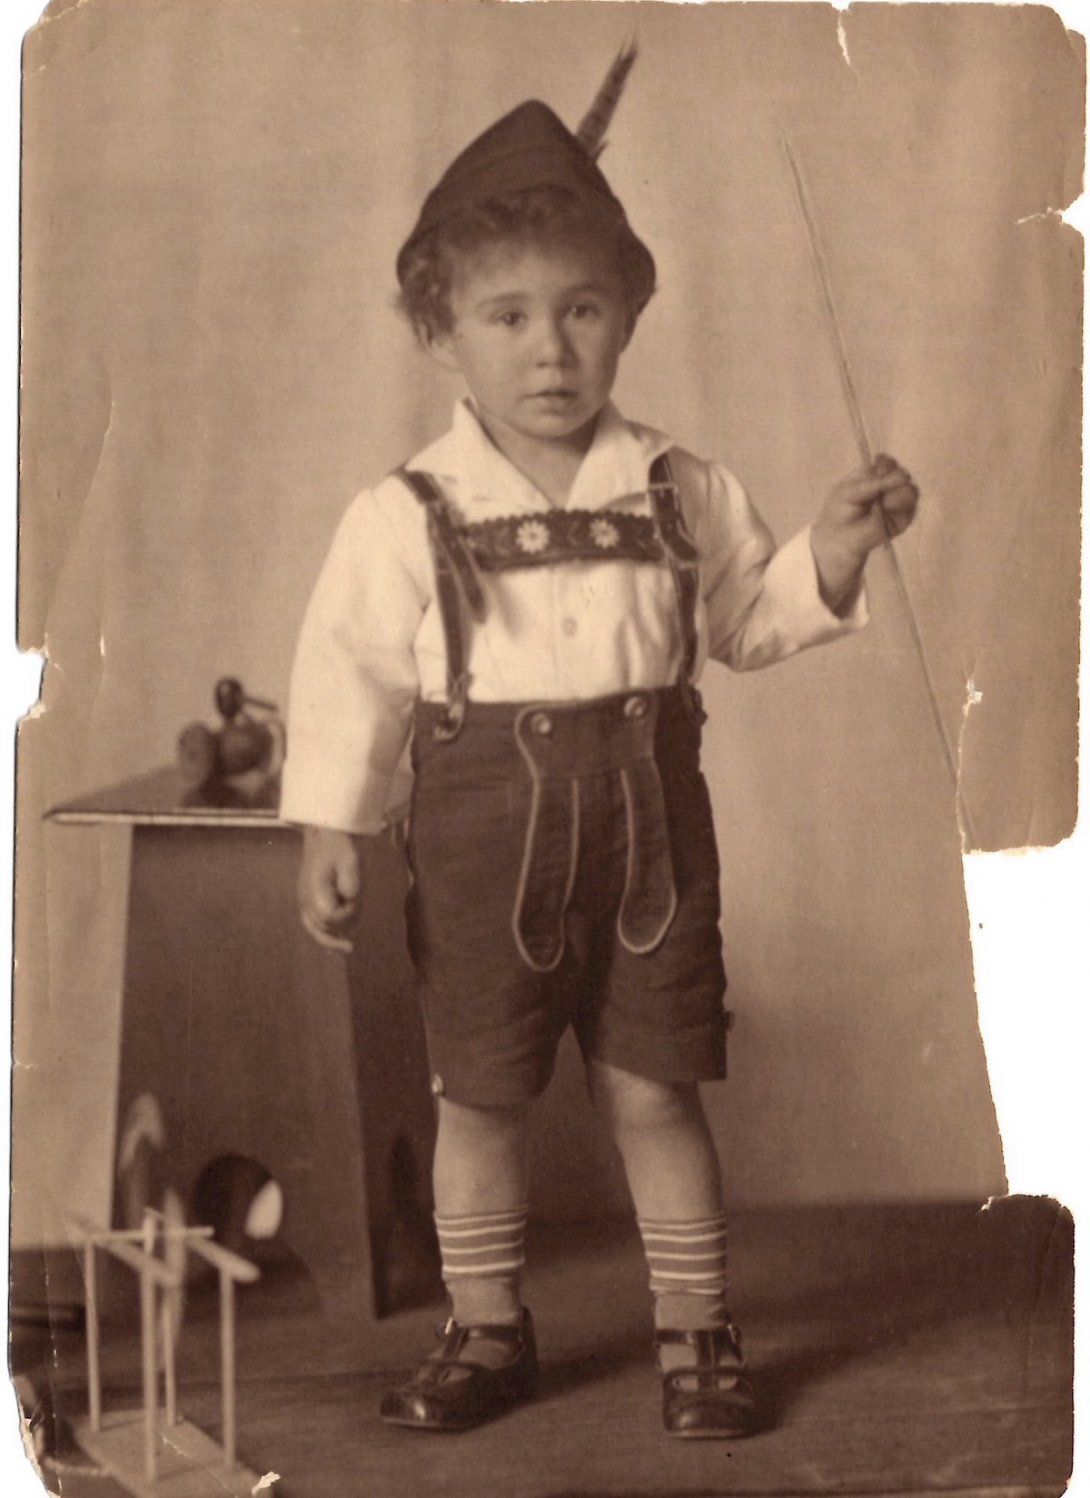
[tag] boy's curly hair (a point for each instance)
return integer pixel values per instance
(547, 215)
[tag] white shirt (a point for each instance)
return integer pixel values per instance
(372, 639)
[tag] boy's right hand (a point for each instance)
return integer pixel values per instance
(328, 887)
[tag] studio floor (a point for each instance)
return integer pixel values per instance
(896, 1350)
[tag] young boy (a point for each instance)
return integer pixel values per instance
(530, 602)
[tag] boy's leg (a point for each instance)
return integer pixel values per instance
(673, 1173)
(660, 1128)
(480, 1181)
(487, 1358)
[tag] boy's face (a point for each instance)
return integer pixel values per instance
(537, 332)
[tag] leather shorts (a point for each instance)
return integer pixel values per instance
(565, 872)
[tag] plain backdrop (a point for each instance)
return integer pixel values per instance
(213, 197)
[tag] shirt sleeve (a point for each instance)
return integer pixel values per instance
(763, 604)
(355, 678)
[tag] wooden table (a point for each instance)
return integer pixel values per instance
(257, 1042)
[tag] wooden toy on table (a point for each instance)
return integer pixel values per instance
(237, 764)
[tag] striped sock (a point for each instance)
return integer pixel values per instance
(688, 1265)
(483, 1255)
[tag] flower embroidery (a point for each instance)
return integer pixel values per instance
(562, 536)
(532, 536)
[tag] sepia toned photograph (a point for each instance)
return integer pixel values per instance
(554, 531)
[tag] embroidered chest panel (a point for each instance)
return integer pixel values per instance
(562, 536)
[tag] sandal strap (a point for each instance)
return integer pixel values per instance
(457, 1335)
(709, 1344)
(454, 1338)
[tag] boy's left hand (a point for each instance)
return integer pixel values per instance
(868, 507)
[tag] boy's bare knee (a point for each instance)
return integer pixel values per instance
(482, 1123)
(631, 1103)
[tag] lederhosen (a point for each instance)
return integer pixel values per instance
(565, 749)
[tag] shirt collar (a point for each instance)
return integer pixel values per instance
(616, 463)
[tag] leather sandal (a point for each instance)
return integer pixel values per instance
(449, 1392)
(712, 1397)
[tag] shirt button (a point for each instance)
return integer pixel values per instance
(570, 626)
(437, 1085)
(636, 707)
(541, 724)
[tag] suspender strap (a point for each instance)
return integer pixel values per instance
(449, 537)
(457, 589)
(682, 558)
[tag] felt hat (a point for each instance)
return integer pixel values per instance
(529, 147)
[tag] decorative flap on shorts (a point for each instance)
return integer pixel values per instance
(560, 743)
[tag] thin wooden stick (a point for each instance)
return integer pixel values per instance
(136, 1235)
(227, 1362)
(240, 1269)
(170, 1371)
(94, 1364)
(832, 321)
(148, 1303)
(105, 1236)
(151, 1382)
(863, 444)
